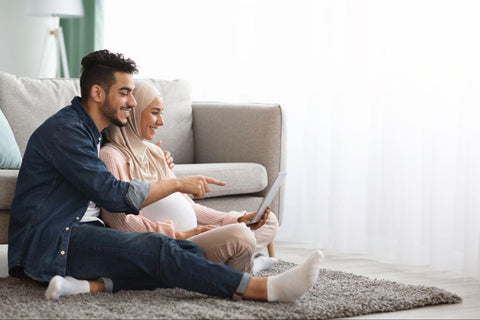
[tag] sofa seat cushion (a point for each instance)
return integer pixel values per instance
(241, 178)
(8, 181)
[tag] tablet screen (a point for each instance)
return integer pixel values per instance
(269, 197)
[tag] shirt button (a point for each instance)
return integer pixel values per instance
(67, 228)
(62, 252)
(78, 218)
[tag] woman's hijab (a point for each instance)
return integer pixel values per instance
(145, 165)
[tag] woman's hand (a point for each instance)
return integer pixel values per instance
(169, 159)
(248, 217)
(168, 156)
(193, 232)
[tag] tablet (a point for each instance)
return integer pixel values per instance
(268, 198)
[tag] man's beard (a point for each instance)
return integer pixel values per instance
(117, 122)
(111, 114)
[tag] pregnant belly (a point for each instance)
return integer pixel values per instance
(173, 208)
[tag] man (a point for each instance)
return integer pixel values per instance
(55, 232)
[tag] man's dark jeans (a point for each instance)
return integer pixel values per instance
(139, 261)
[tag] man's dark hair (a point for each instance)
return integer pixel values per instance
(99, 67)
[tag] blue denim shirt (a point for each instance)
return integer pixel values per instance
(60, 174)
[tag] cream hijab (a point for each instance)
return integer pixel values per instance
(145, 165)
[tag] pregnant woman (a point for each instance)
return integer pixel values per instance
(222, 235)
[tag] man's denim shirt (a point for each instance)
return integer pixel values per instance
(60, 174)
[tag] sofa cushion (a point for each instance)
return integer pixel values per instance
(237, 202)
(177, 132)
(241, 178)
(38, 99)
(27, 102)
(8, 181)
(10, 157)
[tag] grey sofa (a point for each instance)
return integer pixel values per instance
(242, 144)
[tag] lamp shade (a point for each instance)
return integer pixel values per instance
(59, 8)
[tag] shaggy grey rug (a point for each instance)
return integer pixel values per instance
(336, 294)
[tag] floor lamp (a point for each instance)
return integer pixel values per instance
(57, 9)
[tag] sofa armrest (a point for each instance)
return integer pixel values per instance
(252, 132)
(4, 220)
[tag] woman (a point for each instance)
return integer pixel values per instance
(221, 235)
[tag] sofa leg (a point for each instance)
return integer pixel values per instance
(271, 249)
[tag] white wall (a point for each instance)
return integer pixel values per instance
(382, 109)
(27, 48)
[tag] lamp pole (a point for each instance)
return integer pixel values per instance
(58, 9)
(58, 33)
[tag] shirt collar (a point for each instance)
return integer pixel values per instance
(82, 111)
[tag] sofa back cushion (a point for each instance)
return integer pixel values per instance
(28, 102)
(177, 132)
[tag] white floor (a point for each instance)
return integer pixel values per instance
(468, 289)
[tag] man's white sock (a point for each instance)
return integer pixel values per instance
(290, 285)
(263, 263)
(60, 286)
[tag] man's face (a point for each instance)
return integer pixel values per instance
(119, 100)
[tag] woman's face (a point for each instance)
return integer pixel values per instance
(152, 118)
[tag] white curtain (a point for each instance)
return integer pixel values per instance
(382, 101)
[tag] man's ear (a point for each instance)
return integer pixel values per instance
(97, 93)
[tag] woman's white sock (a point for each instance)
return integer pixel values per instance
(290, 285)
(263, 263)
(60, 286)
